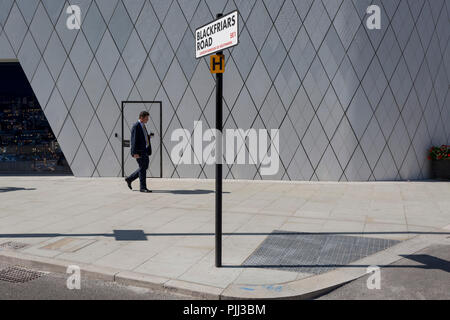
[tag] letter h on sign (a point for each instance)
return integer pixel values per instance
(217, 63)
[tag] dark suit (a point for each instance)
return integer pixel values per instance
(138, 146)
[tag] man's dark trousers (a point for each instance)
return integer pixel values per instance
(141, 173)
(138, 145)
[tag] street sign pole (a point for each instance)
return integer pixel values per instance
(219, 157)
(214, 37)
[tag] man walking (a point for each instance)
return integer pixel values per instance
(140, 150)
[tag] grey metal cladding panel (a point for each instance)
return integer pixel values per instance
(134, 8)
(93, 27)
(288, 23)
(29, 56)
(287, 82)
(109, 164)
(344, 142)
(15, 28)
(245, 54)
(82, 112)
(190, 6)
(147, 25)
(358, 169)
(161, 7)
(41, 27)
(403, 24)
(82, 165)
(55, 55)
(345, 83)
(68, 83)
(302, 53)
(372, 143)
(360, 53)
(42, 84)
(185, 56)
(330, 113)
(5, 8)
(273, 53)
(202, 83)
(329, 168)
(413, 54)
(120, 26)
(148, 82)
(332, 7)
(81, 55)
(56, 112)
(69, 139)
(53, 8)
(94, 83)
(95, 139)
(161, 54)
(175, 83)
(244, 111)
(317, 23)
(331, 52)
(258, 83)
(359, 113)
(106, 8)
(134, 55)
(107, 55)
(259, 24)
(301, 112)
(175, 25)
(27, 8)
(315, 142)
(346, 23)
(6, 51)
(374, 83)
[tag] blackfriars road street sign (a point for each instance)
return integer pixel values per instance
(217, 35)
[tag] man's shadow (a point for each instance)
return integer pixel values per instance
(186, 192)
(11, 189)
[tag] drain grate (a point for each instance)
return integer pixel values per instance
(17, 274)
(11, 245)
(313, 253)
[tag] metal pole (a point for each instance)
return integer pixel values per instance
(160, 141)
(219, 128)
(121, 140)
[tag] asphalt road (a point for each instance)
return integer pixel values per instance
(424, 275)
(52, 286)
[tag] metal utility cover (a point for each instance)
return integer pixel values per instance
(313, 253)
(18, 274)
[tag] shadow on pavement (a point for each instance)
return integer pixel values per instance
(193, 192)
(11, 189)
(429, 262)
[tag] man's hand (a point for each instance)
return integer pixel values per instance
(136, 156)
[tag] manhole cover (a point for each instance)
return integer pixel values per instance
(313, 253)
(11, 245)
(18, 274)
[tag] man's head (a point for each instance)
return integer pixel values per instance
(144, 116)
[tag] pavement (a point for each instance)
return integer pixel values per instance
(165, 240)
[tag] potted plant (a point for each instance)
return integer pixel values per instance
(440, 161)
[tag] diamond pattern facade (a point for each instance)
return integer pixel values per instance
(351, 104)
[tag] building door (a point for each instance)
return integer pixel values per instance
(130, 115)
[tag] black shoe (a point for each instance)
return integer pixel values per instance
(146, 191)
(129, 184)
